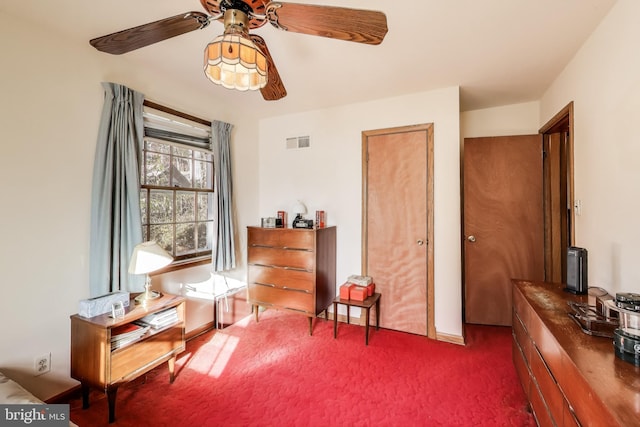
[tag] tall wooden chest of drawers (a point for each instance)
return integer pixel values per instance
(292, 269)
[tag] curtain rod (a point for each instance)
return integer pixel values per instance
(162, 108)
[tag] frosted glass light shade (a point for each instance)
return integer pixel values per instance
(235, 62)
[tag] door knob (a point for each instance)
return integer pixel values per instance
(472, 239)
(420, 242)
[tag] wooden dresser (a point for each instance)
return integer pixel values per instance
(292, 269)
(570, 378)
(95, 364)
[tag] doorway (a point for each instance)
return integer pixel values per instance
(529, 258)
(559, 211)
(397, 225)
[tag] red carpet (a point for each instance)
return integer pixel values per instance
(274, 374)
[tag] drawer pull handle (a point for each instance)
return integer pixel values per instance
(265, 265)
(271, 285)
(286, 288)
(296, 269)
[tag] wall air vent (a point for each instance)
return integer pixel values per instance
(298, 142)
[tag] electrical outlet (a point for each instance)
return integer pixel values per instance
(42, 364)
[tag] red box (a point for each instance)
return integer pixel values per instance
(345, 290)
(358, 293)
(371, 288)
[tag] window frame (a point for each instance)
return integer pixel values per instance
(179, 261)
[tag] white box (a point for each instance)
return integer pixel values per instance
(99, 305)
(359, 280)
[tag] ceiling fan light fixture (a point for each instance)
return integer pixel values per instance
(234, 61)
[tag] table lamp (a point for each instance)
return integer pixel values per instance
(148, 257)
(299, 209)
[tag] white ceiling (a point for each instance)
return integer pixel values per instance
(498, 51)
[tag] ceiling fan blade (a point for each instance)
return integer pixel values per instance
(274, 89)
(362, 26)
(144, 35)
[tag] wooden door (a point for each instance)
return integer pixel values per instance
(503, 222)
(398, 225)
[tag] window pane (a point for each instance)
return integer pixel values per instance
(157, 169)
(161, 206)
(203, 206)
(202, 175)
(181, 172)
(185, 206)
(163, 234)
(205, 233)
(183, 152)
(143, 206)
(185, 238)
(202, 155)
(157, 147)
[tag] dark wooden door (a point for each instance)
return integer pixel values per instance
(398, 223)
(503, 222)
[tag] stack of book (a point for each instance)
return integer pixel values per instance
(126, 334)
(161, 319)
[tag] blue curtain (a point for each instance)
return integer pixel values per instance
(115, 204)
(223, 256)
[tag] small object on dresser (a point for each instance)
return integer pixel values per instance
(320, 219)
(303, 223)
(269, 222)
(117, 310)
(282, 216)
(626, 346)
(628, 301)
(591, 321)
(100, 305)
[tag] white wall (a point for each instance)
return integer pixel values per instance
(516, 119)
(328, 176)
(50, 104)
(603, 80)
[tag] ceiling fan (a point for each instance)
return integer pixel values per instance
(239, 16)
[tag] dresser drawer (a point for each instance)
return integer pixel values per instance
(521, 337)
(281, 277)
(282, 238)
(300, 259)
(136, 357)
(548, 388)
(522, 369)
(539, 408)
(295, 300)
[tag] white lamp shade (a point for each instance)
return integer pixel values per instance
(299, 208)
(148, 257)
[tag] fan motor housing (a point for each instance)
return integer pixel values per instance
(248, 7)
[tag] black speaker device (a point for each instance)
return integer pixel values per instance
(576, 270)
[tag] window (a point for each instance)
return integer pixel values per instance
(176, 185)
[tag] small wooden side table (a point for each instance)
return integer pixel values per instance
(366, 304)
